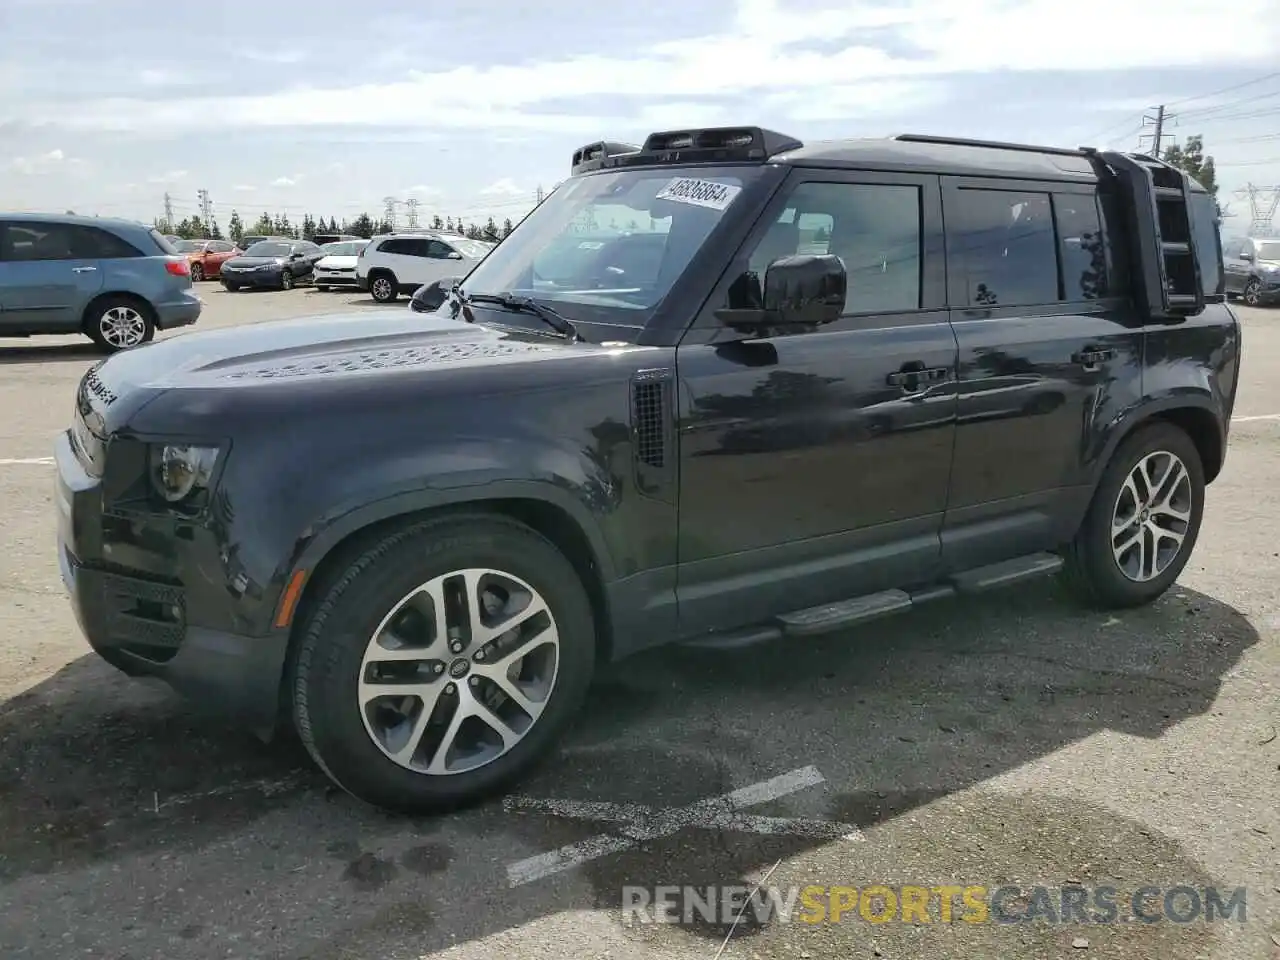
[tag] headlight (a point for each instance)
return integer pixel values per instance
(177, 471)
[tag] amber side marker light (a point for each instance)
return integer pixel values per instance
(289, 602)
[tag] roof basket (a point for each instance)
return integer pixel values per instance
(1160, 224)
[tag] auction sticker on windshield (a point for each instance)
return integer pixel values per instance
(701, 193)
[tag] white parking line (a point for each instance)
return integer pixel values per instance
(14, 461)
(1264, 416)
(645, 823)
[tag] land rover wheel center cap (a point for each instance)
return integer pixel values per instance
(458, 669)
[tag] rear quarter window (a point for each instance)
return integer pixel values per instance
(1208, 240)
(93, 243)
(162, 243)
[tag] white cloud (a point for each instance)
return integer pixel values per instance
(284, 182)
(283, 56)
(243, 188)
(421, 190)
(173, 176)
(759, 54)
(506, 187)
(43, 163)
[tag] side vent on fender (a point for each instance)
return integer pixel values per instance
(651, 430)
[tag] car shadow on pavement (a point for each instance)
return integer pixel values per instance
(900, 713)
(72, 350)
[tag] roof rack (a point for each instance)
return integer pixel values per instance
(989, 144)
(698, 145)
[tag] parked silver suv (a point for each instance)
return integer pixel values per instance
(116, 281)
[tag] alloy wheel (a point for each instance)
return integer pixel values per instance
(381, 289)
(1152, 516)
(459, 671)
(1251, 291)
(122, 327)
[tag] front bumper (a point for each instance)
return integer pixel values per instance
(140, 623)
(254, 278)
(326, 278)
(362, 283)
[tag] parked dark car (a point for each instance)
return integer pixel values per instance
(278, 264)
(866, 376)
(115, 281)
(1252, 267)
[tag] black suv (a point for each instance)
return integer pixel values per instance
(861, 376)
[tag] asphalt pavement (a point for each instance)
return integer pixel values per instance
(1013, 740)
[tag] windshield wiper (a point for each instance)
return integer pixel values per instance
(553, 318)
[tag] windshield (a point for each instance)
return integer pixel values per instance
(611, 242)
(188, 246)
(470, 248)
(1269, 250)
(269, 248)
(347, 248)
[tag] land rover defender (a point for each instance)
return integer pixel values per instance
(796, 387)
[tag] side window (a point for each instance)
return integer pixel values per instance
(438, 250)
(221, 246)
(873, 228)
(1006, 246)
(90, 243)
(1208, 241)
(32, 240)
(393, 247)
(1116, 237)
(1084, 259)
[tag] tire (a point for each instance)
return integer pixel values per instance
(321, 288)
(231, 287)
(382, 287)
(1252, 293)
(286, 280)
(1092, 570)
(330, 669)
(119, 323)
(197, 273)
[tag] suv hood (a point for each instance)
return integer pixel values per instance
(339, 345)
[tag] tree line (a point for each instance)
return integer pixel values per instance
(279, 225)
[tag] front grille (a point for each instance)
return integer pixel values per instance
(143, 617)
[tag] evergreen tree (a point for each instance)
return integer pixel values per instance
(235, 228)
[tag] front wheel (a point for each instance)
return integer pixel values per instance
(286, 280)
(322, 288)
(443, 663)
(1253, 293)
(1143, 522)
(231, 287)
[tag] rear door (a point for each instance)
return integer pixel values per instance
(48, 273)
(1050, 349)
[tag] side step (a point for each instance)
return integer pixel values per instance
(831, 617)
(1006, 572)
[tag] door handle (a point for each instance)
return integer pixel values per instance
(83, 269)
(1092, 356)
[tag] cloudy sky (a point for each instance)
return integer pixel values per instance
(328, 107)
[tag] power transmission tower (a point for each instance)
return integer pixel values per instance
(1157, 138)
(168, 212)
(1263, 203)
(412, 204)
(389, 211)
(539, 193)
(206, 208)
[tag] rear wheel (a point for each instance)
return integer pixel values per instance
(443, 663)
(382, 286)
(1143, 522)
(118, 323)
(197, 272)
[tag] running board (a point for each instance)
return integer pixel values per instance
(829, 618)
(1006, 572)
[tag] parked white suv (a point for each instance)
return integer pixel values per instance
(397, 263)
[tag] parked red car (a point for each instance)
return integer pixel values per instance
(207, 256)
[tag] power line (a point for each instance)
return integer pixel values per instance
(1238, 86)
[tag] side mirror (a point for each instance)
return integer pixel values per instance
(1246, 255)
(800, 290)
(454, 255)
(429, 297)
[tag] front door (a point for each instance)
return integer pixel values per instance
(1235, 269)
(1050, 350)
(814, 466)
(45, 280)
